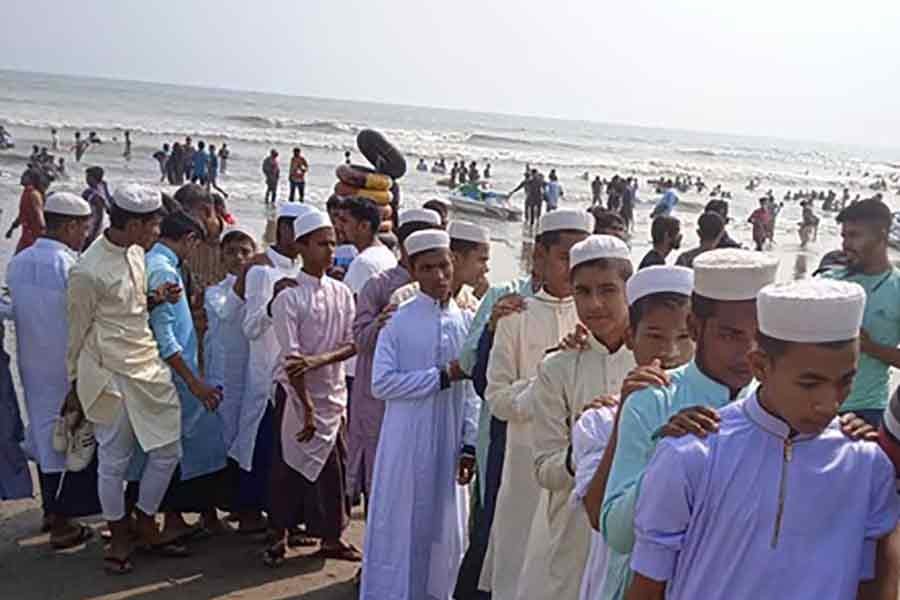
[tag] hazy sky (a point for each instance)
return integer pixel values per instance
(815, 69)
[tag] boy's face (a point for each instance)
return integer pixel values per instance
(662, 334)
(434, 272)
(600, 300)
(470, 267)
(317, 249)
(807, 384)
(724, 340)
(237, 254)
(555, 263)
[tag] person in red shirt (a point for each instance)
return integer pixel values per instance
(299, 167)
(761, 219)
(31, 209)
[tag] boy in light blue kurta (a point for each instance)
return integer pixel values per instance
(723, 325)
(778, 503)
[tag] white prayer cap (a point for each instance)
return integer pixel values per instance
(67, 203)
(567, 219)
(419, 215)
(236, 229)
(137, 199)
(429, 239)
(312, 220)
(470, 232)
(657, 280)
(731, 274)
(811, 311)
(597, 246)
(292, 210)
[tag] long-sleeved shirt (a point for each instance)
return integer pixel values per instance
(203, 445)
(310, 319)
(367, 409)
(566, 382)
(753, 511)
(38, 280)
(417, 514)
(109, 333)
(264, 349)
(520, 343)
(641, 417)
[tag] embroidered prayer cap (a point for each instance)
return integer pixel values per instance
(419, 215)
(430, 239)
(658, 280)
(137, 199)
(566, 219)
(597, 246)
(293, 210)
(314, 219)
(67, 203)
(811, 311)
(470, 232)
(732, 274)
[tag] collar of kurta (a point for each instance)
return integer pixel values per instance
(769, 422)
(113, 248)
(423, 297)
(279, 260)
(696, 377)
(168, 253)
(53, 245)
(543, 296)
(597, 346)
(304, 277)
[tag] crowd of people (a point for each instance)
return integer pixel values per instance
(183, 162)
(587, 430)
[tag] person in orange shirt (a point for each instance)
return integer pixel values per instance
(299, 167)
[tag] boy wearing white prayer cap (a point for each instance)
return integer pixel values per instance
(659, 302)
(267, 274)
(520, 342)
(470, 246)
(313, 321)
(38, 279)
(417, 511)
(723, 326)
(805, 505)
(568, 382)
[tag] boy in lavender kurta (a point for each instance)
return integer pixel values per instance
(313, 323)
(779, 503)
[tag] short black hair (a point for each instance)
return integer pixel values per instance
(720, 207)
(463, 246)
(870, 212)
(663, 225)
(777, 348)
(607, 219)
(643, 306)
(334, 203)
(190, 195)
(552, 238)
(622, 266)
(54, 221)
(363, 209)
(95, 172)
(236, 237)
(178, 224)
(438, 207)
(119, 217)
(710, 225)
(407, 229)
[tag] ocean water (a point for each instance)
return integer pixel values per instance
(252, 123)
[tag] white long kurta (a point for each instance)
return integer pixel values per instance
(520, 343)
(263, 353)
(38, 279)
(417, 518)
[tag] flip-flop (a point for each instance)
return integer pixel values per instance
(273, 557)
(167, 550)
(78, 537)
(301, 540)
(117, 566)
(347, 552)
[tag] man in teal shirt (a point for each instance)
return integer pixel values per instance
(723, 325)
(864, 229)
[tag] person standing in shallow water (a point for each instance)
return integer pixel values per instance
(271, 172)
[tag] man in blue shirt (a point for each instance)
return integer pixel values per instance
(200, 160)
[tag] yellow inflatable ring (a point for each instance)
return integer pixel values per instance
(379, 197)
(361, 177)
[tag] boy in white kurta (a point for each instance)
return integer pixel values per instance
(415, 530)
(567, 383)
(520, 343)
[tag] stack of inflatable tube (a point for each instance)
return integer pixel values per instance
(377, 185)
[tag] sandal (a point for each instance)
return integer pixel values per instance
(76, 538)
(273, 557)
(343, 551)
(298, 539)
(117, 566)
(167, 550)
